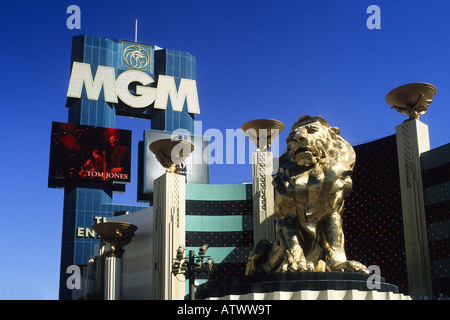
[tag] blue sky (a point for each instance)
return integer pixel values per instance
(255, 59)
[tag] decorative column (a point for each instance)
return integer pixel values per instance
(413, 100)
(169, 231)
(262, 133)
(263, 196)
(412, 140)
(112, 278)
(169, 214)
(118, 235)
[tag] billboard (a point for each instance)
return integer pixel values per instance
(194, 167)
(88, 153)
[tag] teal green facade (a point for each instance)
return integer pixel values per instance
(222, 217)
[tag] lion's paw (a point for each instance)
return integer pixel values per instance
(351, 266)
(301, 266)
(307, 266)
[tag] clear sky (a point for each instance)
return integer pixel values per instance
(255, 59)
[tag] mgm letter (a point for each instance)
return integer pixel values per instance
(313, 179)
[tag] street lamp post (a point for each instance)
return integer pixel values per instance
(192, 265)
(191, 275)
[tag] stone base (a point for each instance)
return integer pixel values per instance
(317, 295)
(299, 286)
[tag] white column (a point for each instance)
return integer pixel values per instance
(112, 278)
(169, 231)
(263, 197)
(412, 140)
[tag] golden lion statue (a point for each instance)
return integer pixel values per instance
(310, 186)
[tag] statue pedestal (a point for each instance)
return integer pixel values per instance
(299, 286)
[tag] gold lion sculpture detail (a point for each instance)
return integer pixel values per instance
(313, 179)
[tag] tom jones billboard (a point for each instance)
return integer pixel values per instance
(89, 153)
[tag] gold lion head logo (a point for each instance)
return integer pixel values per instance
(136, 57)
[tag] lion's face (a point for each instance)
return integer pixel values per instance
(308, 143)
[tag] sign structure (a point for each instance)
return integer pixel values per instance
(141, 97)
(111, 77)
(89, 153)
